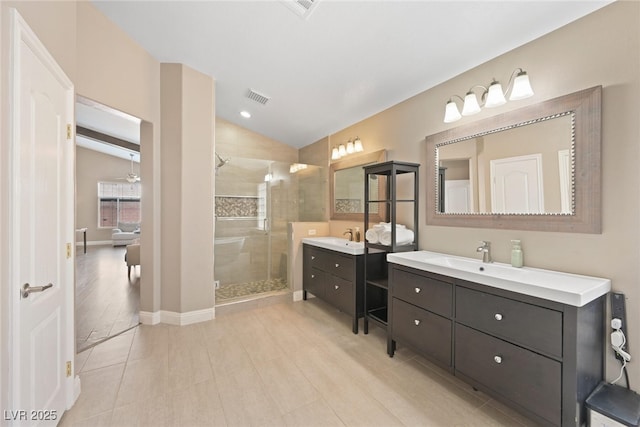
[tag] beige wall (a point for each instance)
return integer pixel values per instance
(92, 167)
(187, 151)
(600, 49)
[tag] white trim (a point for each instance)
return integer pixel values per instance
(149, 318)
(177, 319)
(297, 295)
(96, 243)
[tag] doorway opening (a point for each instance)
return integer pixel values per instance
(108, 218)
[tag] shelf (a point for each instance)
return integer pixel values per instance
(390, 201)
(382, 282)
(389, 248)
(379, 315)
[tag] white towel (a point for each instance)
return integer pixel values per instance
(404, 236)
(372, 235)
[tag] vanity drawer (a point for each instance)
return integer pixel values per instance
(315, 282)
(526, 378)
(426, 332)
(425, 292)
(525, 324)
(339, 293)
(333, 263)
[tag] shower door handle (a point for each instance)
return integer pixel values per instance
(265, 224)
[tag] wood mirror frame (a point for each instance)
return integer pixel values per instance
(586, 217)
(350, 162)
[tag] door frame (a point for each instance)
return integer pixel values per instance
(19, 31)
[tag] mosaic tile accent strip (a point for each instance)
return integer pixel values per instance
(349, 206)
(236, 206)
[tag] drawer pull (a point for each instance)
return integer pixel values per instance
(336, 286)
(497, 359)
(337, 265)
(497, 316)
(418, 290)
(313, 276)
(313, 257)
(417, 322)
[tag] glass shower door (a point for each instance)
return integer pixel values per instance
(250, 251)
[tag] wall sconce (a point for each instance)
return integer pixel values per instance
(341, 150)
(295, 167)
(493, 96)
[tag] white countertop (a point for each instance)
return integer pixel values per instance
(566, 288)
(336, 244)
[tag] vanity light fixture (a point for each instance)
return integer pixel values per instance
(519, 87)
(352, 146)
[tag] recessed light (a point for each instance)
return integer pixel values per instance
(245, 114)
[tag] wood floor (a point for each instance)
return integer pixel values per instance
(106, 300)
(285, 364)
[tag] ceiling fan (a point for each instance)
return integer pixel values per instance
(132, 177)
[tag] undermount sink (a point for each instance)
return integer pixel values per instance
(567, 288)
(337, 244)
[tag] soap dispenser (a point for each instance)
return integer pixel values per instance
(357, 234)
(516, 254)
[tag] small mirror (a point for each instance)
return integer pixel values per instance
(536, 168)
(346, 182)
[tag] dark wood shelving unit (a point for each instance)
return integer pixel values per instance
(376, 289)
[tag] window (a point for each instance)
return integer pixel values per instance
(118, 202)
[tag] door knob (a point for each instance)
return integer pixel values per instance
(27, 289)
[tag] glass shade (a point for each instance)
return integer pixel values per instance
(471, 105)
(350, 148)
(451, 113)
(335, 154)
(342, 150)
(521, 87)
(357, 145)
(495, 96)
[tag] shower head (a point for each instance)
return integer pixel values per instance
(221, 161)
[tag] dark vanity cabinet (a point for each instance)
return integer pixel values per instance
(336, 278)
(541, 357)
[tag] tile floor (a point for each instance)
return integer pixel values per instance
(286, 364)
(106, 299)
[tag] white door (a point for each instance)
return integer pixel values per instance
(457, 196)
(516, 184)
(42, 229)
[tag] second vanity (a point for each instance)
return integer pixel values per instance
(531, 338)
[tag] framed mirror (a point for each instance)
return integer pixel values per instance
(346, 184)
(536, 168)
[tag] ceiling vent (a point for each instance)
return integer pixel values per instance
(302, 8)
(258, 97)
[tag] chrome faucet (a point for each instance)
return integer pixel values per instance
(485, 248)
(350, 233)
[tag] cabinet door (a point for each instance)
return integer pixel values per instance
(532, 381)
(426, 332)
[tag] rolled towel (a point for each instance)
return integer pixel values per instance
(372, 235)
(404, 236)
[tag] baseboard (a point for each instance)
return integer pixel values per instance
(297, 296)
(96, 243)
(177, 319)
(149, 318)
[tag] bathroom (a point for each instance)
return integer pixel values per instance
(401, 132)
(612, 253)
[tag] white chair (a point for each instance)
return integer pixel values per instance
(132, 257)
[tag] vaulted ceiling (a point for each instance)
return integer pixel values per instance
(339, 64)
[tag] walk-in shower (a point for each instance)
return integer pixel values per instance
(254, 201)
